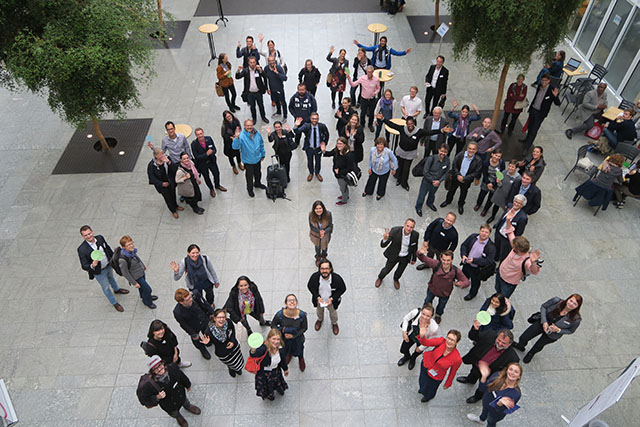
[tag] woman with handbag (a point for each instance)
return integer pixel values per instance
(273, 363)
(515, 102)
(162, 341)
(337, 78)
(223, 337)
(244, 301)
(283, 142)
(557, 317)
(188, 183)
(382, 163)
(225, 82)
(353, 132)
(228, 132)
(501, 393)
(416, 324)
(436, 362)
(292, 323)
(534, 163)
(320, 229)
(342, 165)
(501, 312)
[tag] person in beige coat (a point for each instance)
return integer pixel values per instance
(320, 229)
(188, 183)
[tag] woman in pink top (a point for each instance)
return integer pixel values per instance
(519, 262)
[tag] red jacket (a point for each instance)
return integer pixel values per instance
(451, 361)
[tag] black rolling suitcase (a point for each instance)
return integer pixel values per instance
(276, 180)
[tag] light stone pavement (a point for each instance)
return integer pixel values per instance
(70, 359)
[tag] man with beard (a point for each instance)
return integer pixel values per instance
(326, 289)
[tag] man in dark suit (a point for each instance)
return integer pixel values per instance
(539, 109)
(531, 191)
(162, 174)
(204, 152)
(436, 82)
(436, 127)
(401, 244)
(326, 289)
(519, 222)
(492, 349)
(192, 312)
(316, 134)
(255, 85)
(466, 168)
(100, 270)
(477, 251)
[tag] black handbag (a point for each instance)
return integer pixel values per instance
(418, 169)
(535, 317)
(484, 273)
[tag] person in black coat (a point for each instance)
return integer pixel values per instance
(225, 343)
(282, 140)
(163, 342)
(269, 377)
(250, 51)
(167, 386)
(316, 134)
(192, 312)
(343, 114)
(353, 132)
(440, 88)
(245, 299)
(326, 289)
(487, 342)
(402, 245)
(539, 109)
(261, 83)
(483, 252)
(407, 148)
(519, 222)
(532, 193)
(204, 152)
(343, 164)
(162, 173)
(309, 76)
(463, 180)
(100, 270)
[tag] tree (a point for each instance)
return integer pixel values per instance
(505, 33)
(85, 56)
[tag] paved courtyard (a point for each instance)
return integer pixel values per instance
(69, 359)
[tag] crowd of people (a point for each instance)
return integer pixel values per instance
(507, 193)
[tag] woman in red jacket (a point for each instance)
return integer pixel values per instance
(436, 362)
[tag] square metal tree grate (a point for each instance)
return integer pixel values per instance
(176, 31)
(422, 23)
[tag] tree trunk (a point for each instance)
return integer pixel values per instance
(496, 106)
(98, 132)
(160, 15)
(437, 14)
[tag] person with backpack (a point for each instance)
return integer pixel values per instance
(478, 253)
(416, 324)
(445, 275)
(273, 362)
(226, 345)
(193, 313)
(163, 342)
(133, 269)
(292, 323)
(244, 301)
(100, 270)
(166, 385)
(199, 270)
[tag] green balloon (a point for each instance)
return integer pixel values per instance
(483, 317)
(255, 340)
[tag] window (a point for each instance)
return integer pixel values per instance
(591, 25)
(625, 53)
(632, 90)
(611, 32)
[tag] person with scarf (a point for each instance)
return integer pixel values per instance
(251, 147)
(462, 121)
(133, 269)
(226, 346)
(337, 73)
(382, 162)
(282, 143)
(225, 80)
(199, 270)
(385, 110)
(353, 132)
(161, 173)
(188, 183)
(381, 57)
(244, 301)
(228, 130)
(407, 149)
(292, 323)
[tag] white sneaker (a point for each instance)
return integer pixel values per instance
(475, 418)
(184, 364)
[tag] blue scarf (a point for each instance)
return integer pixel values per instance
(129, 254)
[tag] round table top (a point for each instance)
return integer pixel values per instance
(208, 28)
(184, 129)
(383, 75)
(397, 121)
(377, 28)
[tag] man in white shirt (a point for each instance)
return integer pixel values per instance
(401, 244)
(411, 105)
(326, 289)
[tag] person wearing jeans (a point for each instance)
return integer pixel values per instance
(477, 251)
(204, 151)
(620, 130)
(436, 168)
(133, 270)
(445, 275)
(511, 268)
(251, 147)
(382, 162)
(275, 77)
(316, 136)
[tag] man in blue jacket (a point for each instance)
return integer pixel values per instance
(381, 57)
(275, 86)
(251, 147)
(301, 105)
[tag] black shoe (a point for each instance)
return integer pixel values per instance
(518, 346)
(490, 219)
(433, 208)
(152, 306)
(333, 105)
(154, 298)
(527, 358)
(422, 267)
(412, 363)
(251, 194)
(260, 186)
(264, 322)
(438, 319)
(397, 183)
(419, 212)
(469, 297)
(460, 210)
(232, 372)
(522, 140)
(406, 187)
(473, 399)
(499, 131)
(462, 380)
(443, 204)
(205, 353)
(403, 360)
(569, 133)
(424, 399)
(236, 107)
(264, 119)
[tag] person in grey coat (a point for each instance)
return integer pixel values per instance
(200, 274)
(593, 105)
(558, 317)
(500, 194)
(435, 170)
(133, 269)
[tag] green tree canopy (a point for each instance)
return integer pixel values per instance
(85, 56)
(504, 33)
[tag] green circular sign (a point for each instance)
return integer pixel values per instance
(255, 340)
(97, 255)
(483, 317)
(499, 175)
